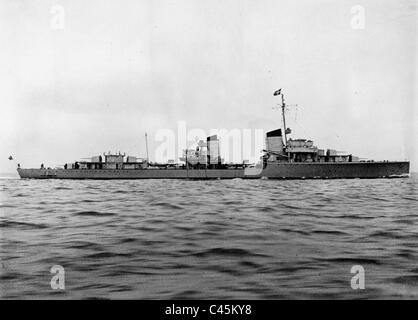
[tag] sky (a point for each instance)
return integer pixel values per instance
(79, 78)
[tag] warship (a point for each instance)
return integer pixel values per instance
(282, 158)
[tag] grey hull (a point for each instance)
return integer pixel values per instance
(344, 170)
(130, 174)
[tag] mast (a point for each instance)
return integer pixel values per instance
(187, 163)
(278, 93)
(146, 145)
(284, 119)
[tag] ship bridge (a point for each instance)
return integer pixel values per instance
(300, 150)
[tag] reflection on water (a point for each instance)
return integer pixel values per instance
(161, 239)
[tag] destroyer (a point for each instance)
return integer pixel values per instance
(283, 158)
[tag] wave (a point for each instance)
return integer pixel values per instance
(94, 214)
(167, 205)
(353, 261)
(22, 225)
(232, 252)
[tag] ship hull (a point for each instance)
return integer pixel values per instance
(328, 170)
(344, 170)
(109, 174)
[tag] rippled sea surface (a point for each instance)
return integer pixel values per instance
(174, 239)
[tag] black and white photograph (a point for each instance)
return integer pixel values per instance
(194, 150)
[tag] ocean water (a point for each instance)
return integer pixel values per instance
(226, 239)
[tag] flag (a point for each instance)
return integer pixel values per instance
(10, 158)
(277, 92)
